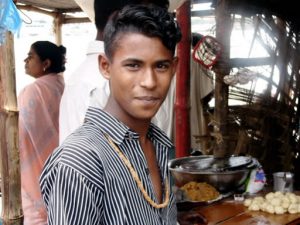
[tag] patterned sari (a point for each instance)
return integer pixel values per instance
(38, 136)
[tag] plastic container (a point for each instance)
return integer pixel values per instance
(283, 181)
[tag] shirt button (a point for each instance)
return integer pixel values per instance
(131, 136)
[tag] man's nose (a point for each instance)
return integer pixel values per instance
(148, 79)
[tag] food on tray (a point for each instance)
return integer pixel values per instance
(275, 203)
(200, 191)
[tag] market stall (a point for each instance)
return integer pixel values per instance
(265, 125)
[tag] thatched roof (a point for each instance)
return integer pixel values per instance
(67, 5)
(71, 5)
(286, 10)
(55, 7)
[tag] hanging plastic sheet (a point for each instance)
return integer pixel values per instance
(10, 19)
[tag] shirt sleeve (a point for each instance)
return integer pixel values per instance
(71, 199)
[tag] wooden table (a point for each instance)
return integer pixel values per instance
(231, 212)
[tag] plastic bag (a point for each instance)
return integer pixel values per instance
(257, 181)
(10, 19)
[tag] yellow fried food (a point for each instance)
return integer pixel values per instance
(200, 191)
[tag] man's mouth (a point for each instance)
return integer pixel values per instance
(148, 98)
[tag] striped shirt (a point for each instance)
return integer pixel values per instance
(85, 182)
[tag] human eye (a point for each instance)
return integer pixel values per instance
(132, 66)
(29, 56)
(162, 66)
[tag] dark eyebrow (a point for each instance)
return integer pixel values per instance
(133, 60)
(140, 61)
(164, 61)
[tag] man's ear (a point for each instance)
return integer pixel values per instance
(104, 66)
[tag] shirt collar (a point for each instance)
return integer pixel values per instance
(118, 131)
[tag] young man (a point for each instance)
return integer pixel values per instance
(86, 86)
(113, 169)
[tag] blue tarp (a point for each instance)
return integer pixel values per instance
(10, 19)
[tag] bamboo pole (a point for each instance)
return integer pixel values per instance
(12, 213)
(223, 33)
(58, 21)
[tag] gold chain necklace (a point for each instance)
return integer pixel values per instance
(137, 179)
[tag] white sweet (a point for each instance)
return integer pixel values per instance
(276, 201)
(293, 208)
(259, 199)
(264, 206)
(285, 202)
(270, 196)
(247, 202)
(270, 209)
(288, 194)
(254, 207)
(293, 198)
(279, 210)
(278, 194)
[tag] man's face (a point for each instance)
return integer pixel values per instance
(140, 73)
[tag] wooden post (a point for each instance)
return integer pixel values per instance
(58, 20)
(12, 213)
(182, 122)
(223, 32)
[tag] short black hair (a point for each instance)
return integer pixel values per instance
(149, 20)
(56, 54)
(104, 8)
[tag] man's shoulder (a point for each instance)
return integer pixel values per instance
(84, 140)
(81, 152)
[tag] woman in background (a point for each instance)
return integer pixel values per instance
(38, 122)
